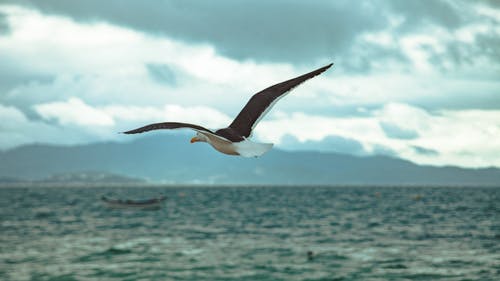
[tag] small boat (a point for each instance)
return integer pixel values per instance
(140, 204)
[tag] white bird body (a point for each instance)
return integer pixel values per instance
(245, 148)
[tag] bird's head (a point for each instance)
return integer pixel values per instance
(199, 137)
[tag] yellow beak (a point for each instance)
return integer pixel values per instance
(194, 139)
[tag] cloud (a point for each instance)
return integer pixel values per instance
(4, 27)
(402, 121)
(242, 32)
(75, 122)
(417, 13)
(73, 111)
(162, 73)
(394, 131)
(329, 143)
(108, 64)
(13, 115)
(76, 112)
(492, 3)
(425, 151)
(111, 64)
(304, 32)
(20, 130)
(306, 127)
(448, 137)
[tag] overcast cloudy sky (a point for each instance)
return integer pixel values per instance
(412, 79)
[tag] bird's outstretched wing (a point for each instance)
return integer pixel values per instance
(260, 103)
(168, 125)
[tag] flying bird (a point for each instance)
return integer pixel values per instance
(234, 140)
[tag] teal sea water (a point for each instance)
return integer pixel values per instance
(252, 233)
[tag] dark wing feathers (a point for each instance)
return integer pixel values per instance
(260, 102)
(166, 125)
(255, 108)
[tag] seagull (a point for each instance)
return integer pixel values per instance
(234, 139)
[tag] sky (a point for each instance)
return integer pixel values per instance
(417, 80)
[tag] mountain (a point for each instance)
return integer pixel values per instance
(165, 158)
(89, 177)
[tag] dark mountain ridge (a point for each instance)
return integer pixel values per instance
(165, 158)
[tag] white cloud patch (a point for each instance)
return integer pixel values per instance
(465, 137)
(74, 111)
(17, 130)
(310, 127)
(75, 122)
(434, 49)
(139, 116)
(106, 64)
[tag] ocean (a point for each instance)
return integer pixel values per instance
(251, 233)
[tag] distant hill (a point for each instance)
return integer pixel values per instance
(90, 177)
(165, 158)
(74, 179)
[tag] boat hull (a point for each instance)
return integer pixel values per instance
(153, 203)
